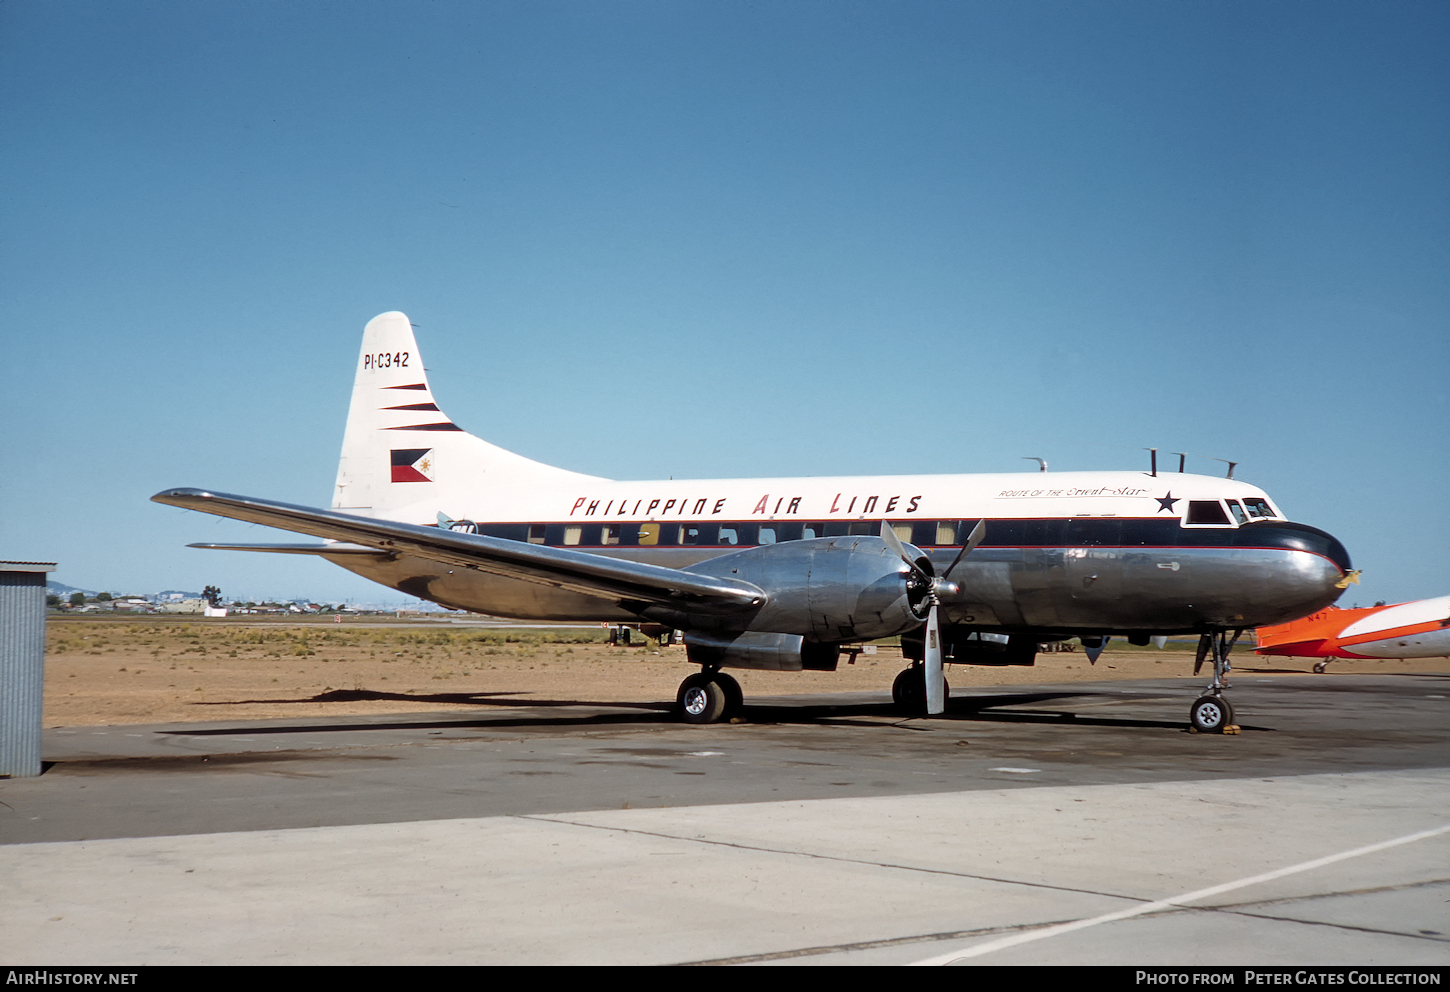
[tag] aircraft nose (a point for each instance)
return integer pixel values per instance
(1313, 579)
(1302, 537)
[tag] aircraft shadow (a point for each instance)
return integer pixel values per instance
(984, 708)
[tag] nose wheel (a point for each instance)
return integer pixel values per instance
(1211, 713)
(708, 697)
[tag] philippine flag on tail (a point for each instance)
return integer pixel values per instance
(412, 465)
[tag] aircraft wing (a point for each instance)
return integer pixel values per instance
(579, 571)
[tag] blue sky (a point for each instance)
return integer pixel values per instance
(721, 238)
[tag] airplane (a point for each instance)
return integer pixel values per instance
(780, 573)
(1420, 629)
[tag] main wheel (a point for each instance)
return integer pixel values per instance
(908, 692)
(702, 699)
(734, 695)
(1210, 714)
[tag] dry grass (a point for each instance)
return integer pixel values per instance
(153, 670)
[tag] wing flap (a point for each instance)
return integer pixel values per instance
(578, 571)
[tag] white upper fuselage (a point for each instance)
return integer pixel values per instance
(893, 497)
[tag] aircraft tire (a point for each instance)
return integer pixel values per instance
(908, 692)
(1320, 667)
(702, 699)
(734, 695)
(1210, 714)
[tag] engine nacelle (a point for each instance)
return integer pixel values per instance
(964, 646)
(760, 649)
(828, 589)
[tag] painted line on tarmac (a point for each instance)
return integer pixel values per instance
(1175, 901)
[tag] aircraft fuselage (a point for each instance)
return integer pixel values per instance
(1102, 569)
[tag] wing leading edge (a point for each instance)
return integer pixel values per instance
(578, 571)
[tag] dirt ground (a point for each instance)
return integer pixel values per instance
(162, 670)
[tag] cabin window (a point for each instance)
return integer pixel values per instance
(767, 534)
(1259, 509)
(809, 531)
(610, 534)
(728, 534)
(1206, 511)
(510, 532)
(1240, 517)
(572, 533)
(649, 534)
(536, 533)
(903, 532)
(864, 528)
(689, 535)
(946, 532)
(785, 530)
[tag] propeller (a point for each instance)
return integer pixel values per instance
(936, 587)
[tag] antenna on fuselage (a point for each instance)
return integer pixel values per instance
(1153, 452)
(1228, 463)
(1042, 465)
(1182, 457)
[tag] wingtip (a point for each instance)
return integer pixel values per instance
(179, 495)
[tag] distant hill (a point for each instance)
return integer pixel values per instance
(64, 592)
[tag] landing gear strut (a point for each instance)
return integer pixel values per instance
(908, 692)
(708, 696)
(1211, 713)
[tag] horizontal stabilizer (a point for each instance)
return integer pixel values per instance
(578, 571)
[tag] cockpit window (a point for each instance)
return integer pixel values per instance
(1258, 508)
(1206, 511)
(1238, 511)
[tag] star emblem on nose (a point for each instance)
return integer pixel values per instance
(1166, 502)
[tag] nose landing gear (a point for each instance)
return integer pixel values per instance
(1211, 713)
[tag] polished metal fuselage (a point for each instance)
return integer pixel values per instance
(1278, 572)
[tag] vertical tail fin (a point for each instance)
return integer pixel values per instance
(402, 457)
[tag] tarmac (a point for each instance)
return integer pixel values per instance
(1078, 823)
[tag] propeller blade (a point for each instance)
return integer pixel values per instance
(888, 534)
(1203, 646)
(931, 665)
(973, 539)
(1093, 646)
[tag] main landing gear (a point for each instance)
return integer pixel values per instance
(709, 696)
(1211, 713)
(908, 692)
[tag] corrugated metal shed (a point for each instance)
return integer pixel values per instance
(22, 664)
